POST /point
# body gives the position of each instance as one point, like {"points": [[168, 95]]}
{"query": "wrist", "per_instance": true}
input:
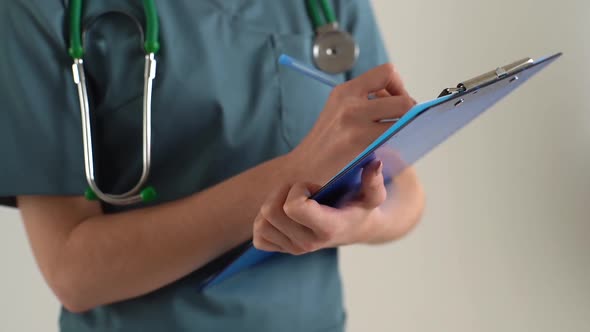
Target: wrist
{"points": [[299, 168], [371, 227], [365, 231], [315, 169], [290, 169]]}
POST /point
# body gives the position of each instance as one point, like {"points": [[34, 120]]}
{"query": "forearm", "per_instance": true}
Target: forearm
{"points": [[120, 256]]}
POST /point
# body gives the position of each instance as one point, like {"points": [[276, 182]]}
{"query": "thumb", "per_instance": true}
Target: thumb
{"points": [[372, 192]]}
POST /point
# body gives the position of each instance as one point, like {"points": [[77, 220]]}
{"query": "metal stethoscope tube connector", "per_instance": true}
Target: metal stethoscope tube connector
{"points": [[135, 194]]}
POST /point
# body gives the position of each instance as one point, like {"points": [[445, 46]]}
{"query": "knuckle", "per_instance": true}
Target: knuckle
{"points": [[297, 252], [257, 225], [311, 246], [339, 90], [353, 107], [256, 241], [266, 210], [407, 103], [388, 67], [263, 229], [325, 234], [291, 210]]}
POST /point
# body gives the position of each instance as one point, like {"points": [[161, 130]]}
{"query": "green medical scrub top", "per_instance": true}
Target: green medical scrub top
{"points": [[221, 105]]}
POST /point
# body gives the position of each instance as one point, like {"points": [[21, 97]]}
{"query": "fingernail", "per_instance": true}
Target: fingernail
{"points": [[414, 100], [379, 168]]}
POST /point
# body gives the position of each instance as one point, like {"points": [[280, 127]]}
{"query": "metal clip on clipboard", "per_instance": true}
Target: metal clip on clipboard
{"points": [[489, 77]]}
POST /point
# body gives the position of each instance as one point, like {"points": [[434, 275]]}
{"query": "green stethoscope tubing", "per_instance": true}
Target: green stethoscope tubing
{"points": [[320, 12], [151, 44]]}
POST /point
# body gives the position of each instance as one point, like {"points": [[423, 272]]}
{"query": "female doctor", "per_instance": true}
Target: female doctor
{"points": [[238, 144]]}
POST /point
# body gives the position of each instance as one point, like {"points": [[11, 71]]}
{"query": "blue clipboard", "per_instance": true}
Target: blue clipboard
{"points": [[419, 131]]}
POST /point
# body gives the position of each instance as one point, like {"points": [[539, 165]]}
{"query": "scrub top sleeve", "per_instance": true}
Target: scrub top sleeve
{"points": [[40, 133], [358, 18]]}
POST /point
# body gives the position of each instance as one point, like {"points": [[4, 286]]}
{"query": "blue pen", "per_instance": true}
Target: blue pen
{"points": [[317, 75]]}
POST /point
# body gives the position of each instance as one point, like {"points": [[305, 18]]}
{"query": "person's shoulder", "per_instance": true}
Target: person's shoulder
{"points": [[355, 10], [348, 3]]}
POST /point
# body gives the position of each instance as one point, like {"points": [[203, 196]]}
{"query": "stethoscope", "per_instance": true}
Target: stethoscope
{"points": [[334, 51]]}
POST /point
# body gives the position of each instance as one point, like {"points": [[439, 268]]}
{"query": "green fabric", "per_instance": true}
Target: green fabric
{"points": [[221, 104]]}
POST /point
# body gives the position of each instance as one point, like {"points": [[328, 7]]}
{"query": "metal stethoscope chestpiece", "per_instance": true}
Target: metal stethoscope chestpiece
{"points": [[334, 51]]}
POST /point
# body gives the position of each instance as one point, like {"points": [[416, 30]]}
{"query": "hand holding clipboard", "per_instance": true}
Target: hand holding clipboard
{"points": [[419, 131]]}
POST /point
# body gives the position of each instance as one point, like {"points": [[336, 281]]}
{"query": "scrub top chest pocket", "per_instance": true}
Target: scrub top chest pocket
{"points": [[301, 98], [289, 29], [223, 98]]}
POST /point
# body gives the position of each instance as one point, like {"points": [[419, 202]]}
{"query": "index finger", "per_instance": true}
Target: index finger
{"points": [[383, 77], [301, 208]]}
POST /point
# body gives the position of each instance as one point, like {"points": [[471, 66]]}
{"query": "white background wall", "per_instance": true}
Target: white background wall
{"points": [[504, 245]]}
